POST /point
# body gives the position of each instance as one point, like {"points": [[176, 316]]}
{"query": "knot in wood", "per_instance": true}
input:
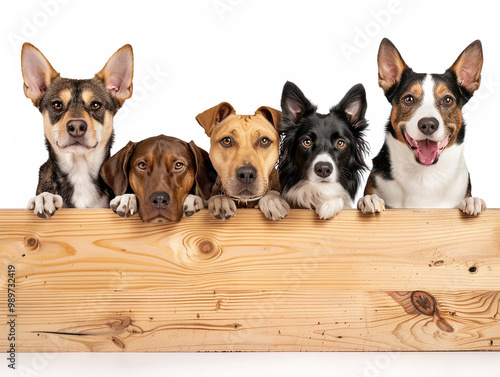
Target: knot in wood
{"points": [[206, 247], [31, 243], [120, 324], [202, 249], [117, 342], [424, 302]]}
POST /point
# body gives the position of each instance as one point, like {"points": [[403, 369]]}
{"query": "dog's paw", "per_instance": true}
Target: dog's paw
{"points": [[124, 205], [472, 206], [192, 204], [371, 204], [330, 208], [221, 207], [274, 206], [45, 204]]}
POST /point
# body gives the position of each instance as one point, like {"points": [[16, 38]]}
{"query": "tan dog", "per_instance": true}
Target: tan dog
{"points": [[244, 150]]}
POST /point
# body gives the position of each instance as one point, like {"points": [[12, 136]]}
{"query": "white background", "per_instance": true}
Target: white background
{"points": [[191, 55]]}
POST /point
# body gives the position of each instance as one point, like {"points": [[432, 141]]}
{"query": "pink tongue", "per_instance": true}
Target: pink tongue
{"points": [[427, 151]]}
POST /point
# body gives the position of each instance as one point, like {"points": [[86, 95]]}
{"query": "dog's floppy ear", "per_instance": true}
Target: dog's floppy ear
{"points": [[209, 118], [353, 106], [117, 74], [114, 171], [390, 65], [272, 115], [294, 105], [38, 74], [468, 67], [205, 173]]}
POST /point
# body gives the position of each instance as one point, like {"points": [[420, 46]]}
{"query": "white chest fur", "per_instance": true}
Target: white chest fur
{"points": [[442, 185], [82, 171]]}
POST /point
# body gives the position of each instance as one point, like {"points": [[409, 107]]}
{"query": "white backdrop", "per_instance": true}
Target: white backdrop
{"points": [[191, 55]]}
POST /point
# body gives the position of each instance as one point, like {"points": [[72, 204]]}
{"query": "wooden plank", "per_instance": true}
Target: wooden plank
{"points": [[87, 280]]}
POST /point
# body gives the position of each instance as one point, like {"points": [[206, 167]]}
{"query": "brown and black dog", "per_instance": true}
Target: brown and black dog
{"points": [[168, 177], [244, 150], [78, 124]]}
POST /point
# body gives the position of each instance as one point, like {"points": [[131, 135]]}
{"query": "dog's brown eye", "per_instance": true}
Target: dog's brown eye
{"points": [[142, 165], [340, 143], [307, 143], [94, 105], [448, 101], [409, 100], [265, 142], [226, 142], [57, 105], [179, 165]]}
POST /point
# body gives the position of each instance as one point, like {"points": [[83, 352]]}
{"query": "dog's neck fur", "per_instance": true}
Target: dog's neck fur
{"points": [[77, 177], [442, 185], [310, 195]]}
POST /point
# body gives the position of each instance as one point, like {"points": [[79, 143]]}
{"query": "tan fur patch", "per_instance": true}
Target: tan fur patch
{"points": [[48, 129], [369, 188], [107, 127], [441, 90], [452, 115], [87, 96], [65, 96]]}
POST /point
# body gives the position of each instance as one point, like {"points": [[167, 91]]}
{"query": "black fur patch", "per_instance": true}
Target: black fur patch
{"points": [[382, 164]]}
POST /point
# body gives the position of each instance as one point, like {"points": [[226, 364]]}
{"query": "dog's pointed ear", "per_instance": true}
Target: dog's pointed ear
{"points": [[272, 115], [114, 171], [211, 117], [468, 67], [117, 74], [390, 65], [37, 72], [353, 105], [204, 172], [294, 105]]}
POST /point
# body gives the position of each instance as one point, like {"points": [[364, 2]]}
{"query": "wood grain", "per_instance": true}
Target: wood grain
{"points": [[87, 280]]}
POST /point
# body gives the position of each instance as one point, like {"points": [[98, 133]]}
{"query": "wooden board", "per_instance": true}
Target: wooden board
{"points": [[87, 280]]}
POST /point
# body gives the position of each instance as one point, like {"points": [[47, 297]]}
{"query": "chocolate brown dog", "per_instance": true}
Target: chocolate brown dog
{"points": [[163, 173], [244, 150]]}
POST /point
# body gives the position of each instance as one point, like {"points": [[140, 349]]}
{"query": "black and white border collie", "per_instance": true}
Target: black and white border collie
{"points": [[421, 164], [322, 155]]}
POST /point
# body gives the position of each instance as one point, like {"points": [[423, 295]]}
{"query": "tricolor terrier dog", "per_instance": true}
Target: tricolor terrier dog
{"points": [[322, 155], [421, 163], [244, 150], [78, 125]]}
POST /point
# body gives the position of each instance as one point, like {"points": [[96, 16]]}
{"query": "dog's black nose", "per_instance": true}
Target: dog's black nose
{"points": [[246, 174], [428, 125], [76, 127], [323, 169], [159, 200]]}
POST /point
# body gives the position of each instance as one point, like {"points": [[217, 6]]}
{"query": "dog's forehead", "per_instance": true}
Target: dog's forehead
{"points": [[447, 82], [412, 82], [252, 124], [324, 125], [65, 89], [409, 83], [162, 147]]}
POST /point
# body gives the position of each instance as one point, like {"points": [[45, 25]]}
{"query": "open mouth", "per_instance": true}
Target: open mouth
{"points": [[426, 151]]}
